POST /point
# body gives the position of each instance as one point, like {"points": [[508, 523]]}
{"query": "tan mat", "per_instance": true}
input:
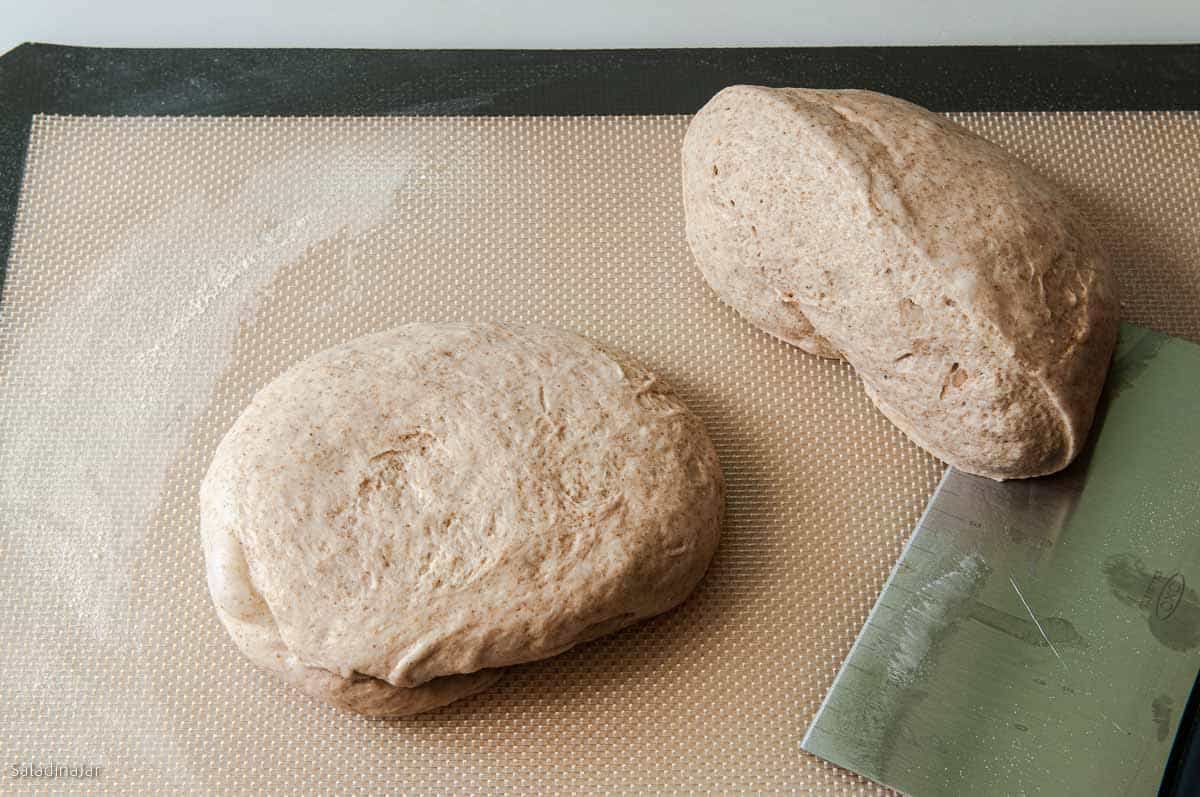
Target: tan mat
{"points": [[163, 269]]}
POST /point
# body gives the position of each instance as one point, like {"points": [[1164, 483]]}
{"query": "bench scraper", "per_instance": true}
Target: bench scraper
{"points": [[1042, 636]]}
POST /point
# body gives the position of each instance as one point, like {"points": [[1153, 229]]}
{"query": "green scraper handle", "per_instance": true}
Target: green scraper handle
{"points": [[1181, 778]]}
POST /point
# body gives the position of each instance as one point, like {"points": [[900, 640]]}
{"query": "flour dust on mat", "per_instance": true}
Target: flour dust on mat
{"points": [[113, 370]]}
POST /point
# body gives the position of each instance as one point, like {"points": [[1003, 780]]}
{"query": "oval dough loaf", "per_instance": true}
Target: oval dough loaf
{"points": [[972, 299], [394, 518]]}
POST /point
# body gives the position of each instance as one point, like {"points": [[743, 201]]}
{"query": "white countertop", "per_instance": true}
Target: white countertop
{"points": [[622, 23]]}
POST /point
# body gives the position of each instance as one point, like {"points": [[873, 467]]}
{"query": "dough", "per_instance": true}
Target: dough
{"points": [[394, 518], [972, 299]]}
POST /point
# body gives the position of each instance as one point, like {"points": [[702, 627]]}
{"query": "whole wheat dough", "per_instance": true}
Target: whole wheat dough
{"points": [[394, 518], [973, 300]]}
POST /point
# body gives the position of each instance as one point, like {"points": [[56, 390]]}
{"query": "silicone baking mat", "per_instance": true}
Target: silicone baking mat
{"points": [[164, 268]]}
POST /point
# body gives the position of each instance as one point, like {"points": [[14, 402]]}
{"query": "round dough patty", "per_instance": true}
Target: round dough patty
{"points": [[394, 518]]}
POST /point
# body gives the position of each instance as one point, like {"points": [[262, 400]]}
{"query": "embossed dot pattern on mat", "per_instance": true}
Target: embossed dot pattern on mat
{"points": [[163, 269]]}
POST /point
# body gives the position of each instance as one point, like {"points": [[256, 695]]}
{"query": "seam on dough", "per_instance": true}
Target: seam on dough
{"points": [[909, 240], [273, 624], [1050, 397]]}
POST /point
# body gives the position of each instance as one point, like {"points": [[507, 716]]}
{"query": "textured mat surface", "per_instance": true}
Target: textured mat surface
{"points": [[163, 269]]}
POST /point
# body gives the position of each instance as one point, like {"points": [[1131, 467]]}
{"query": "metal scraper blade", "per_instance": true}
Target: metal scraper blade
{"points": [[1042, 635]]}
